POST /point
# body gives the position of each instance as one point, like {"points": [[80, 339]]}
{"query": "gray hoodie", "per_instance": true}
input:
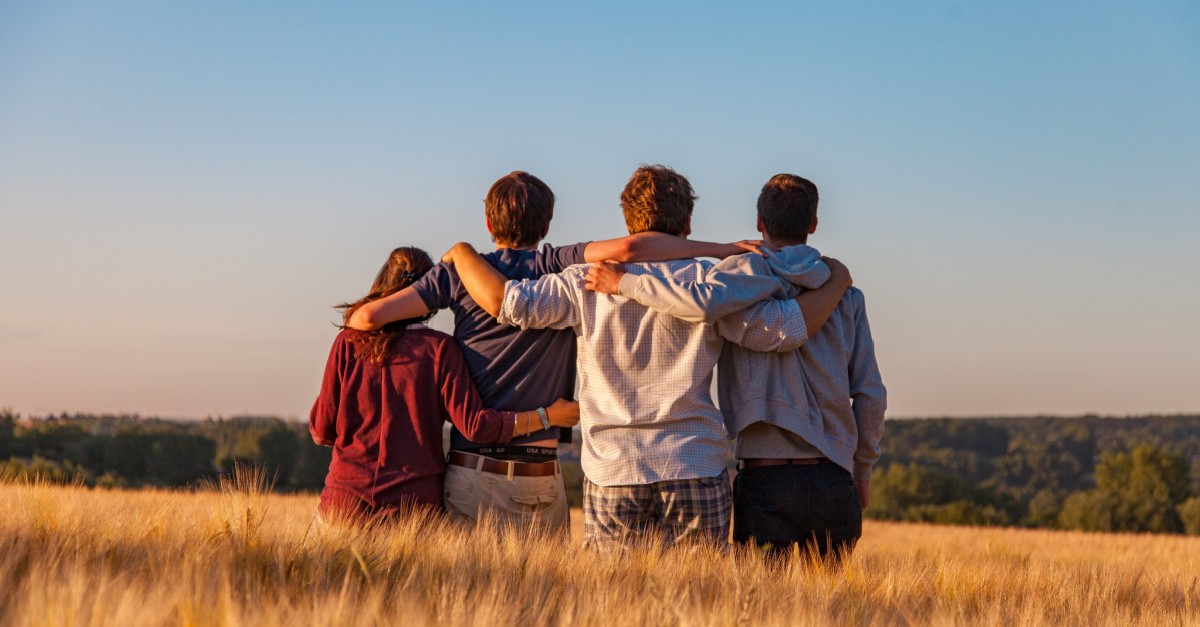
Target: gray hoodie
{"points": [[828, 392]]}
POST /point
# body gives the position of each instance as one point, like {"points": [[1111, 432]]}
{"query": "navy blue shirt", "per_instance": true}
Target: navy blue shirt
{"points": [[513, 369]]}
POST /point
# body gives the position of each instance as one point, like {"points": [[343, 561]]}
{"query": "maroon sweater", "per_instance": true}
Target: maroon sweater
{"points": [[384, 421]]}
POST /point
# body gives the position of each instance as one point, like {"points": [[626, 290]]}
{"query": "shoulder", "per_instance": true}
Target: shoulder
{"points": [[854, 299], [345, 336], [433, 337], [552, 258], [569, 250], [745, 263], [423, 341]]}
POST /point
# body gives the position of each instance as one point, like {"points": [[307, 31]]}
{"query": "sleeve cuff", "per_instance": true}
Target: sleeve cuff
{"points": [[794, 331], [514, 305], [509, 428], [628, 285], [862, 472]]}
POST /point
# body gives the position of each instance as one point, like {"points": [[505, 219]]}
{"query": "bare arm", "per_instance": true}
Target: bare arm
{"points": [[484, 283], [402, 305], [817, 305], [654, 246]]}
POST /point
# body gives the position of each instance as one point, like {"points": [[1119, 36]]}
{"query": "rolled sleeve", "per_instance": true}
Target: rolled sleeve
{"points": [[770, 326], [729, 286], [547, 303]]}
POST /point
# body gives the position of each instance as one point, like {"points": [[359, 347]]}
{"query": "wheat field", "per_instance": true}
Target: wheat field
{"points": [[238, 555]]}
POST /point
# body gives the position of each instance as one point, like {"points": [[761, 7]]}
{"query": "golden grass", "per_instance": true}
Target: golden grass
{"points": [[240, 556]]}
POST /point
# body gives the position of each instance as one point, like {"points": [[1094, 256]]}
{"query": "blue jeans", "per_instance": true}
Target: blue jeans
{"points": [[814, 505]]}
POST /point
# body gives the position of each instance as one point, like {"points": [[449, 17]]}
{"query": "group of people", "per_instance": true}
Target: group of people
{"points": [[641, 321]]}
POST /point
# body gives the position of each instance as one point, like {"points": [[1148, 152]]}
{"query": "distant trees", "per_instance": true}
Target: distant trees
{"points": [[129, 451], [1130, 474], [1135, 491], [1101, 474]]}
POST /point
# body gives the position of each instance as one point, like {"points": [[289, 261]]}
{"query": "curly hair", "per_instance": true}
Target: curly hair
{"points": [[657, 198]]}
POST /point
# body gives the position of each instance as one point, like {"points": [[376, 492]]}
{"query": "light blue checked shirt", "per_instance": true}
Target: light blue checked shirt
{"points": [[645, 409]]}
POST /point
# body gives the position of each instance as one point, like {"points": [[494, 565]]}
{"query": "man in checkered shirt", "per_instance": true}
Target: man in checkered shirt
{"points": [[654, 443]]}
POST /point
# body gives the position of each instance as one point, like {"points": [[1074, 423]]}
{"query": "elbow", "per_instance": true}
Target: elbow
{"points": [[492, 306], [364, 319]]}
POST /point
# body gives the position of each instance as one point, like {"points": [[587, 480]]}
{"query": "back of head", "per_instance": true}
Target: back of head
{"points": [[403, 267], [657, 198], [787, 207], [519, 207]]}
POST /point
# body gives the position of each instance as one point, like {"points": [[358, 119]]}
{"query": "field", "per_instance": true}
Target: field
{"points": [[237, 555]]}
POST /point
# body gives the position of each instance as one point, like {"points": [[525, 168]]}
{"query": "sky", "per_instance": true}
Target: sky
{"points": [[187, 188]]}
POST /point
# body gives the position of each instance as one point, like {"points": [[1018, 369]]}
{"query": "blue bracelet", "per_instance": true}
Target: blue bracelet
{"points": [[541, 411]]}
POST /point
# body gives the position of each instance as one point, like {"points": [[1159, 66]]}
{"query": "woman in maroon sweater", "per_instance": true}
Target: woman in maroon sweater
{"points": [[384, 399]]}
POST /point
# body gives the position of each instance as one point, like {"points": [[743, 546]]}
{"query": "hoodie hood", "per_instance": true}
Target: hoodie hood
{"points": [[799, 265]]}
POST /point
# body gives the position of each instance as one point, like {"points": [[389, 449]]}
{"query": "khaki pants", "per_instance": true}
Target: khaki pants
{"points": [[520, 501]]}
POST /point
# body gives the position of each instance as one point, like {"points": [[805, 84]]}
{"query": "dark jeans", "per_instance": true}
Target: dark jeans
{"points": [[813, 505]]}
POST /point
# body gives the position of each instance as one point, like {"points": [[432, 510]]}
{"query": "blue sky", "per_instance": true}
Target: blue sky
{"points": [[186, 189]]}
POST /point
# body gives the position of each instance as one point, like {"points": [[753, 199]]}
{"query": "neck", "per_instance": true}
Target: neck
{"points": [[780, 243], [500, 246]]}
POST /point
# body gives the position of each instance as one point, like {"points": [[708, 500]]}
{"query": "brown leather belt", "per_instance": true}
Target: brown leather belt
{"points": [[802, 461], [516, 469]]}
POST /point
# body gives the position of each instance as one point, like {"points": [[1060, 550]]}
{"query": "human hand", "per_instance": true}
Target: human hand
{"points": [[838, 271], [563, 413], [604, 276], [455, 250], [864, 492]]}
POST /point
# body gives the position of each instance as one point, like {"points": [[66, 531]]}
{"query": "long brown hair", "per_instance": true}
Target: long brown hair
{"points": [[403, 267]]}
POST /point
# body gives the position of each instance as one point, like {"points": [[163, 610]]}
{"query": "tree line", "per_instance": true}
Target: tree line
{"points": [[131, 451], [1090, 472]]}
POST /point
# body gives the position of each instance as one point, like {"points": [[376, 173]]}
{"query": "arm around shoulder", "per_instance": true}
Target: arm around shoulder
{"points": [[402, 305]]}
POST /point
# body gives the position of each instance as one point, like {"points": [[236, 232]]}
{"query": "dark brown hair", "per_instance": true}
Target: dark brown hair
{"points": [[519, 207], [403, 267], [657, 198], [787, 207]]}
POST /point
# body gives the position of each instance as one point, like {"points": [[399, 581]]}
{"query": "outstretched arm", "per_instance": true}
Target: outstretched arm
{"points": [[402, 305], [461, 406], [484, 283], [654, 246], [698, 301], [784, 325]]}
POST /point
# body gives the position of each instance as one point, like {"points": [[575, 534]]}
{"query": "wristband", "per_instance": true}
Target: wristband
{"points": [[541, 411]]}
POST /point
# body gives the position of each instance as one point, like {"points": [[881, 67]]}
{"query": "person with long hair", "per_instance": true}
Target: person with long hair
{"points": [[384, 398]]}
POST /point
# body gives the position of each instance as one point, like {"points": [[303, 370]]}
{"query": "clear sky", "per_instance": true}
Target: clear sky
{"points": [[186, 188]]}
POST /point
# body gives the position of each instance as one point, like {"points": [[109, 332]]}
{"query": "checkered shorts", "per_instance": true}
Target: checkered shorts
{"points": [[682, 510]]}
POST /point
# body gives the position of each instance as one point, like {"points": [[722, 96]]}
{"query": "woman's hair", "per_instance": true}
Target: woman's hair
{"points": [[403, 267]]}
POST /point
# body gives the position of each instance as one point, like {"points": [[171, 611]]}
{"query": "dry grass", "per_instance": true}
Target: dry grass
{"points": [[73, 556]]}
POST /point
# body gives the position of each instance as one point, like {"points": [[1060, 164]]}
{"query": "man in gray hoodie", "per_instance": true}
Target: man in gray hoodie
{"points": [[807, 422]]}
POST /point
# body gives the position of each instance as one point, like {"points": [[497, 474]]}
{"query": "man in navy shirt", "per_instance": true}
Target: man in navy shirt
{"points": [[514, 369]]}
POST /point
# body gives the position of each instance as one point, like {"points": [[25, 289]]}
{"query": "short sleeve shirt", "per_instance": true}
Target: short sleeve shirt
{"points": [[514, 369]]}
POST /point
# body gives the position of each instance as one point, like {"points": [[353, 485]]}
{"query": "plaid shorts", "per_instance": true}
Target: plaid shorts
{"points": [[682, 510]]}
